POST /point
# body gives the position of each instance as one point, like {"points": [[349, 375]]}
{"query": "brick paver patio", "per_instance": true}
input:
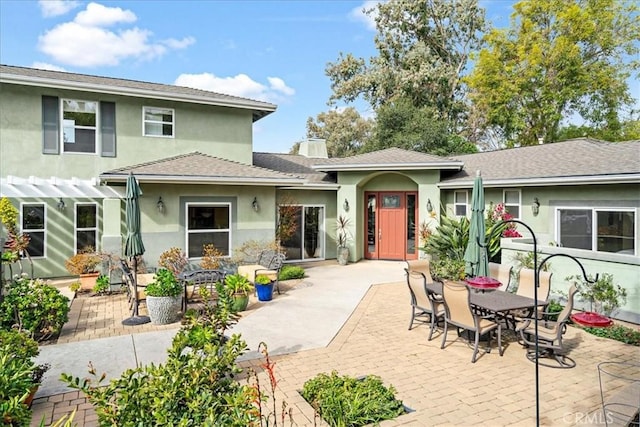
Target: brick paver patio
{"points": [[442, 387]]}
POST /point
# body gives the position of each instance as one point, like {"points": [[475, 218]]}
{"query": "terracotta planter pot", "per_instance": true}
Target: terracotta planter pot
{"points": [[32, 393], [88, 281]]}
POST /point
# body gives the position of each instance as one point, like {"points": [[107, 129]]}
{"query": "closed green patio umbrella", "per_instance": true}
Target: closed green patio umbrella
{"points": [[133, 245], [475, 255]]}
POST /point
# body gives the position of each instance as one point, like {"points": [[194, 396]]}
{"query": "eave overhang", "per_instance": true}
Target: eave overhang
{"points": [[544, 182]]}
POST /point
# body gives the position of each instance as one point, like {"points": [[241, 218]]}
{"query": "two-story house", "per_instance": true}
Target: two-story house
{"points": [[68, 142]]}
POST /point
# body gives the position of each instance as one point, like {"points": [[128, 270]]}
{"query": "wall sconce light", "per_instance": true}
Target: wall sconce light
{"points": [[61, 204], [429, 206], [160, 205], [254, 205], [345, 205], [535, 206]]}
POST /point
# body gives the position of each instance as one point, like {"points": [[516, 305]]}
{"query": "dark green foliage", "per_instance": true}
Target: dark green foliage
{"points": [[620, 333], [164, 284], [195, 387], [15, 384], [553, 309], [447, 268], [34, 306], [291, 272], [346, 401]]}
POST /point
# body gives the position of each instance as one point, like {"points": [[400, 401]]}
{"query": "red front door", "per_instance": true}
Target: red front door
{"points": [[390, 225]]}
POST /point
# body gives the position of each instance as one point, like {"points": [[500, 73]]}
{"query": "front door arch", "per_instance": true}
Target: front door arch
{"points": [[391, 225]]}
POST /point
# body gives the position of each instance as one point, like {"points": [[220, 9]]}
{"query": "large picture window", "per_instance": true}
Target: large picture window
{"points": [[602, 230], [460, 200], [33, 224], [208, 224], [86, 226], [79, 124], [157, 122]]}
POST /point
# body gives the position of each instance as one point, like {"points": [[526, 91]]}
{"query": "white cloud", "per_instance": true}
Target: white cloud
{"points": [[179, 44], [97, 15], [357, 13], [240, 85], [85, 42], [278, 85], [46, 66], [51, 8]]}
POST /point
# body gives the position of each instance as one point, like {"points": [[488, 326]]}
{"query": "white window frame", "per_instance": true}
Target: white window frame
{"points": [[43, 230], [220, 230], [96, 129], [456, 204], [76, 228], [145, 121], [507, 205], [594, 220]]}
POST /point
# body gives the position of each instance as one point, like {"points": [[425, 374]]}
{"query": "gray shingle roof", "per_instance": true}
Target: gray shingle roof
{"points": [[48, 78], [581, 158], [201, 168], [390, 158], [293, 164]]}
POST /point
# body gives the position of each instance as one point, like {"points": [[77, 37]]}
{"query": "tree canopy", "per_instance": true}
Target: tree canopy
{"points": [[345, 132], [557, 59]]}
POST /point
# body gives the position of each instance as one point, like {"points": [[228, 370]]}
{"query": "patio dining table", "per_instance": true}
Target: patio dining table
{"points": [[498, 302]]}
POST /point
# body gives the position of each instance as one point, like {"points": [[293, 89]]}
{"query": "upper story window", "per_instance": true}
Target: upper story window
{"points": [[79, 124], [86, 226], [512, 202], [460, 201], [33, 224], [158, 122], [602, 230]]}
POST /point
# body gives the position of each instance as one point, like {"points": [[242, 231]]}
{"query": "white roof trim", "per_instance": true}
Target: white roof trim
{"points": [[389, 166], [177, 179], [19, 187], [551, 181]]}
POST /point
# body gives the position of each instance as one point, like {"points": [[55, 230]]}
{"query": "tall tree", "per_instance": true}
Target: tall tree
{"points": [[558, 58], [423, 49], [401, 124], [345, 131]]}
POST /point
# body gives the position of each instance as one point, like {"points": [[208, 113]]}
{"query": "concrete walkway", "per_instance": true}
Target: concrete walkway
{"points": [[306, 317]]}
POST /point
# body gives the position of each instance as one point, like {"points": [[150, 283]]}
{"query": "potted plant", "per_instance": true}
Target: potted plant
{"points": [[343, 235], [238, 287], [84, 264], [264, 287], [164, 297]]}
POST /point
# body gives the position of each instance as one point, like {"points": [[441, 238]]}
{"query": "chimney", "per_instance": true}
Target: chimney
{"points": [[313, 148]]}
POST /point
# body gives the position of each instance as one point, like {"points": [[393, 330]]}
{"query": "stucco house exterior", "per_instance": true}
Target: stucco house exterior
{"points": [[69, 141]]}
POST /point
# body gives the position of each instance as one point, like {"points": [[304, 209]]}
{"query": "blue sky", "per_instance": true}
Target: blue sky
{"points": [[274, 51]]}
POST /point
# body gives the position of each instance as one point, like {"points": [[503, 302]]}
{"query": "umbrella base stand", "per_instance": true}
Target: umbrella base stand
{"points": [[136, 320]]}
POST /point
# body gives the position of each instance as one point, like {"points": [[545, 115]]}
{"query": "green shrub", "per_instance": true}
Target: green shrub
{"points": [[164, 284], [617, 332], [347, 401], [447, 268], [102, 284], [34, 306], [604, 295], [553, 310], [291, 272], [196, 386], [15, 384]]}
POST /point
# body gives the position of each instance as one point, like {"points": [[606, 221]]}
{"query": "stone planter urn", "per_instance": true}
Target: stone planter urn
{"points": [[164, 310]]}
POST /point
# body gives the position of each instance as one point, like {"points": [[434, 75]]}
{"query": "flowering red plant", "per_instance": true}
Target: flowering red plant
{"points": [[499, 213]]}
